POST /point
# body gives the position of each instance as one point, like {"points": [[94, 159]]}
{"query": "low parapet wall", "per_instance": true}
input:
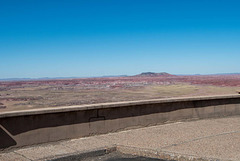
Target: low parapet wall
{"points": [[21, 128]]}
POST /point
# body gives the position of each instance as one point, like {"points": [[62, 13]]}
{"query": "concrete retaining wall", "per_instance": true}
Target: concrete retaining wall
{"points": [[45, 125]]}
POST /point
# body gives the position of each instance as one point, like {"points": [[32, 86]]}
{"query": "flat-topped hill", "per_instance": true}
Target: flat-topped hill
{"points": [[152, 74]]}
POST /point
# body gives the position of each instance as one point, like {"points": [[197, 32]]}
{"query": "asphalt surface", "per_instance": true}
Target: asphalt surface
{"points": [[114, 156]]}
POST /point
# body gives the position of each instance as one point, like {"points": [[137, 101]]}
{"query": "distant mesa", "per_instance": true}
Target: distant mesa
{"points": [[152, 74]]}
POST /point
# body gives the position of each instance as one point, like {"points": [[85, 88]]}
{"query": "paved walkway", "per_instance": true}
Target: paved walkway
{"points": [[209, 139]]}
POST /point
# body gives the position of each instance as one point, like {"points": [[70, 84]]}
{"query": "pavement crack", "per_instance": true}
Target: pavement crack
{"points": [[200, 138], [22, 155]]}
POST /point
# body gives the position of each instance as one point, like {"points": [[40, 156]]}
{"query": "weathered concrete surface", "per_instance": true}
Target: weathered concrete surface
{"points": [[209, 139], [41, 126]]}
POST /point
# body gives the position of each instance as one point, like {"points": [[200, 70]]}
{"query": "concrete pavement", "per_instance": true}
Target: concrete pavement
{"points": [[209, 139]]}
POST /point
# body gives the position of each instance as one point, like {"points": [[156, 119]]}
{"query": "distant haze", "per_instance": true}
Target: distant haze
{"points": [[143, 74]]}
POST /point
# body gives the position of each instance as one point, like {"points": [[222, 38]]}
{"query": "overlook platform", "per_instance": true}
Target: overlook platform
{"points": [[209, 139], [196, 128]]}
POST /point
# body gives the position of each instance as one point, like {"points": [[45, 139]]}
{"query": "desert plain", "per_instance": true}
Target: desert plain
{"points": [[33, 94]]}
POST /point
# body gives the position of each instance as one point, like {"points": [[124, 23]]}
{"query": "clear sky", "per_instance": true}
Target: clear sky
{"points": [[65, 38]]}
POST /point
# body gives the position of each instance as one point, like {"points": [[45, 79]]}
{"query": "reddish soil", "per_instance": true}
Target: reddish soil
{"points": [[121, 82]]}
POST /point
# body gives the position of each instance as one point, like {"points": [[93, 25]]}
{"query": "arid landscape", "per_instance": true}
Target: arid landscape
{"points": [[32, 94]]}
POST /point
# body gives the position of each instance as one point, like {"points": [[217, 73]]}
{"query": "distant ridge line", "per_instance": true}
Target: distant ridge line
{"points": [[143, 74]]}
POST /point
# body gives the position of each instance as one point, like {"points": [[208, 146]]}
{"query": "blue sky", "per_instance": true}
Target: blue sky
{"points": [[65, 38]]}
